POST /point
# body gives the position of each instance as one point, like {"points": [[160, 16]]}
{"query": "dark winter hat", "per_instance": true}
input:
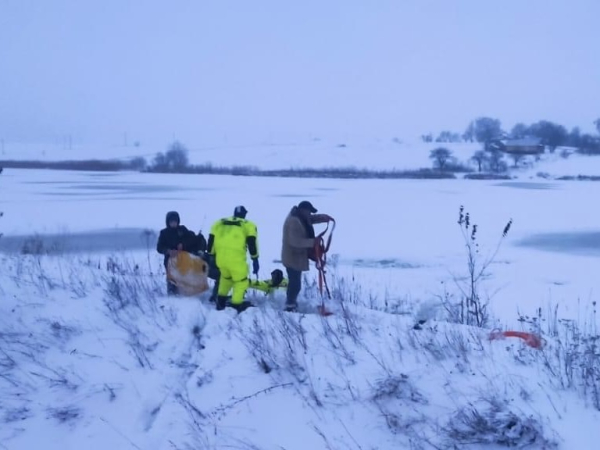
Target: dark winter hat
{"points": [[172, 215], [276, 277], [305, 204], [240, 211]]}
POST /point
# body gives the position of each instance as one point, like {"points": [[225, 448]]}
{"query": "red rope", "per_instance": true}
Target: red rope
{"points": [[321, 248]]}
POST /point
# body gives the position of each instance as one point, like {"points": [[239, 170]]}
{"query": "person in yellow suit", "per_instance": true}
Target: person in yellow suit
{"points": [[229, 240], [269, 286]]}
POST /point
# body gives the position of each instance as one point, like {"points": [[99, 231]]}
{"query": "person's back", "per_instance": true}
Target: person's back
{"points": [[230, 238], [297, 249]]}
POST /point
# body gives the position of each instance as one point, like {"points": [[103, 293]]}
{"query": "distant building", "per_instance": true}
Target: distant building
{"points": [[524, 146]]}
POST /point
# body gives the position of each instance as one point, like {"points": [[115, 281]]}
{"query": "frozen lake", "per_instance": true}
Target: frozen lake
{"points": [[397, 237]]}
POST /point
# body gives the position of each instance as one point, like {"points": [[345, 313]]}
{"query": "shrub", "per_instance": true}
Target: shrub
{"points": [[493, 423], [471, 309]]}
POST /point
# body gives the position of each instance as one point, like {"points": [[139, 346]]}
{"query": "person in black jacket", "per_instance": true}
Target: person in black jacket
{"points": [[213, 270], [213, 273], [176, 237]]}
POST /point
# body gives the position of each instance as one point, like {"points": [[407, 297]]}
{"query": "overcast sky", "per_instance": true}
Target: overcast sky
{"points": [[275, 70]]}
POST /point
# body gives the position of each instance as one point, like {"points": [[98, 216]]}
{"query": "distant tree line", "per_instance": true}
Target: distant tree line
{"points": [[552, 135], [489, 161], [488, 131]]}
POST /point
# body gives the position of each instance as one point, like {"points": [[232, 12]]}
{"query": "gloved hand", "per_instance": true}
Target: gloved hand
{"points": [[321, 218], [173, 252], [179, 246], [255, 266]]}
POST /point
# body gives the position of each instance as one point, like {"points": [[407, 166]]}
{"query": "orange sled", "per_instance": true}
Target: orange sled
{"points": [[531, 339], [189, 273]]}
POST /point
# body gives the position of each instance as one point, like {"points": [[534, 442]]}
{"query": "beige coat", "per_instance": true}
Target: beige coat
{"points": [[296, 244]]}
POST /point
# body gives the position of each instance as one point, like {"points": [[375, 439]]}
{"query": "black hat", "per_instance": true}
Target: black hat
{"points": [[276, 277], [305, 204], [240, 211], [172, 215]]}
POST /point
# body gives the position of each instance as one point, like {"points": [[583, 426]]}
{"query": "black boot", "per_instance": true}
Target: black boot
{"points": [[291, 307], [214, 294], [172, 288], [242, 306], [221, 302]]}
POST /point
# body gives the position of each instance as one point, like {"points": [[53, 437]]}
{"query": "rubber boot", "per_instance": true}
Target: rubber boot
{"points": [[214, 293], [242, 306], [221, 302], [291, 307]]}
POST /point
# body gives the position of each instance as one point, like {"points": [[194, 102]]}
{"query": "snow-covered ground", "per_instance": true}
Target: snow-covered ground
{"points": [[358, 153], [95, 354]]}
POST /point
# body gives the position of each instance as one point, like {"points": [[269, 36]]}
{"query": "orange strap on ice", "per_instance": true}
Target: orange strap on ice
{"points": [[531, 339]]}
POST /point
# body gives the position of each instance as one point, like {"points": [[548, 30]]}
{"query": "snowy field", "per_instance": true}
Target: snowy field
{"points": [[350, 152], [94, 354], [391, 154]]}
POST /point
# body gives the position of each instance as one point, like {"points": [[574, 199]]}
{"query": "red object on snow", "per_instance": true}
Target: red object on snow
{"points": [[531, 339], [321, 249]]}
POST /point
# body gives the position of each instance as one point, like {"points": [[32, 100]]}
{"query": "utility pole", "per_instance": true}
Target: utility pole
{"points": [[2, 145]]}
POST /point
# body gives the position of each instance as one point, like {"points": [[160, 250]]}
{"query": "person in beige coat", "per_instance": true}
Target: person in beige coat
{"points": [[297, 248]]}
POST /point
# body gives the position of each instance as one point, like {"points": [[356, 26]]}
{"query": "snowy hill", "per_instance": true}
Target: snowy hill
{"points": [[95, 356]]}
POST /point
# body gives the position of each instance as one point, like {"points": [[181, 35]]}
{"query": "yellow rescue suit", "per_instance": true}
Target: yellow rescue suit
{"points": [[266, 286], [233, 237]]}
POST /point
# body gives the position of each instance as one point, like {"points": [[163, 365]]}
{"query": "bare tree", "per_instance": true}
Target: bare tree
{"points": [[174, 160], [485, 129], [519, 131], [448, 136], [516, 157], [496, 161], [574, 138], [479, 157], [138, 163], [469, 134], [440, 157], [550, 133]]}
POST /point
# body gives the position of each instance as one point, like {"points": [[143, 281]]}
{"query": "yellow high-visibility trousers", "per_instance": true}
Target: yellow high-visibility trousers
{"points": [[234, 276]]}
